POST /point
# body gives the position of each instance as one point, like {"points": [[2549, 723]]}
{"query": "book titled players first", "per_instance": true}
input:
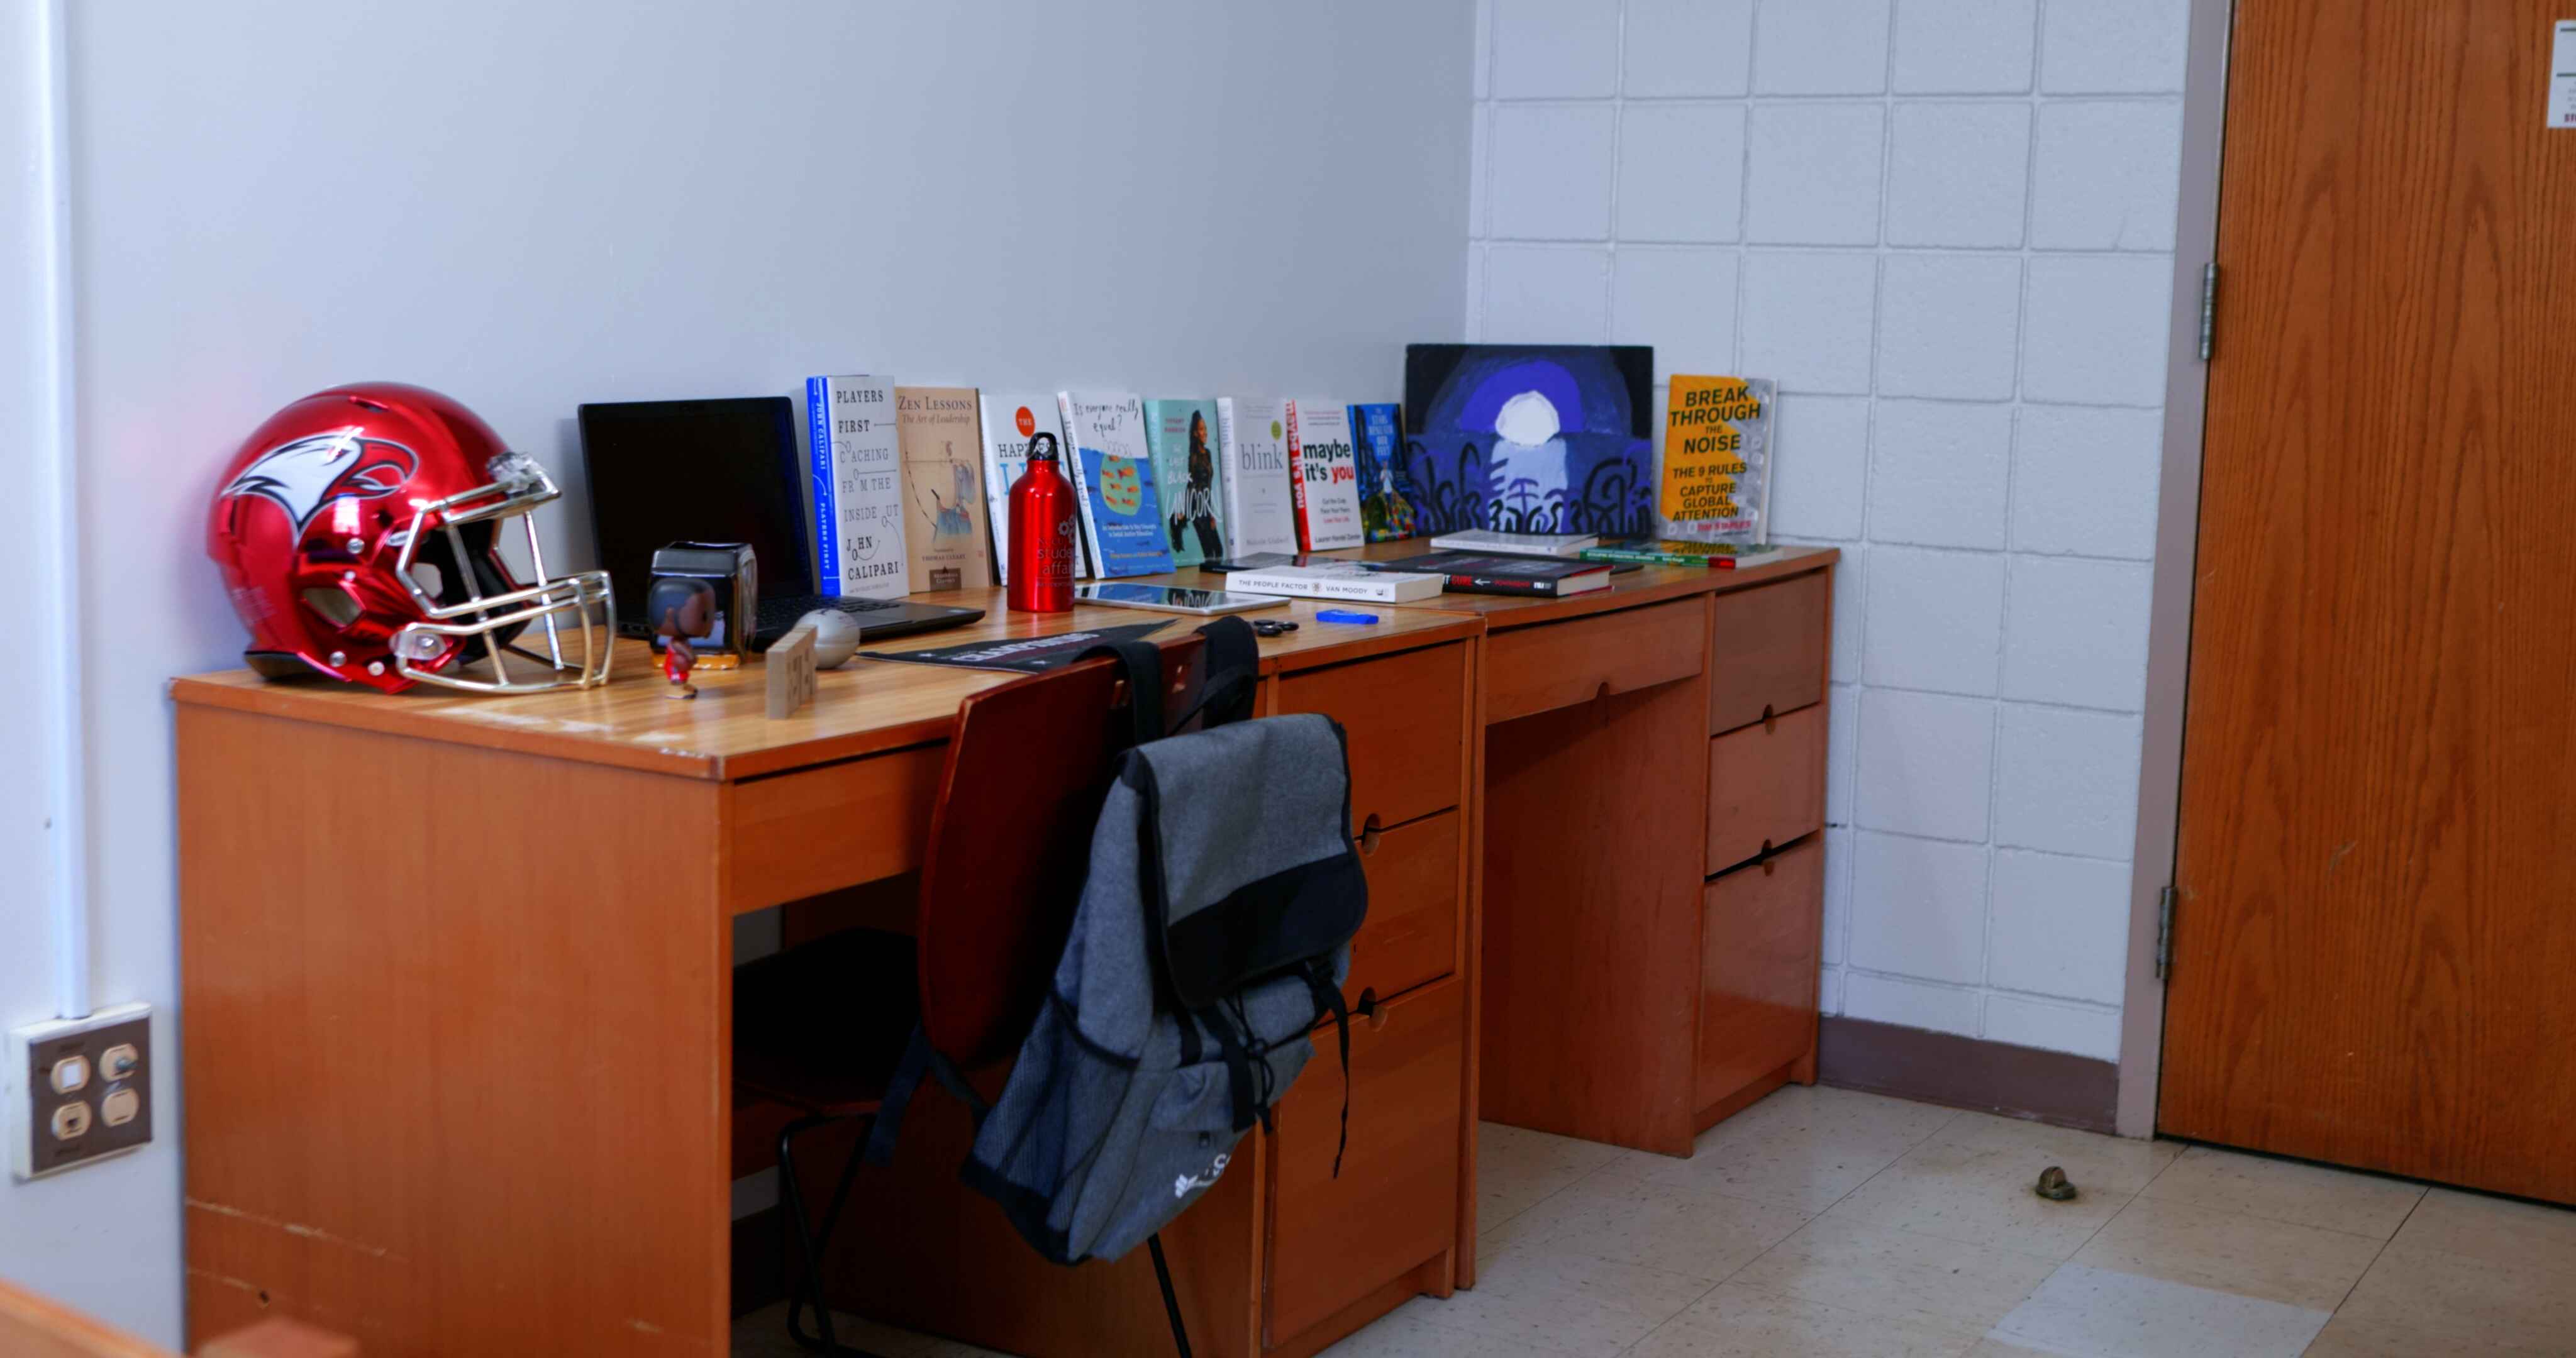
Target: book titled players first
{"points": [[858, 487]]}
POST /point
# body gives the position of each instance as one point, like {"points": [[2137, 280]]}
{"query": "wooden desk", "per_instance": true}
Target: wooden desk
{"points": [[456, 975], [1652, 878]]}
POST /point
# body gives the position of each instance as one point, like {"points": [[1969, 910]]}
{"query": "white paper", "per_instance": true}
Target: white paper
{"points": [[2562, 75]]}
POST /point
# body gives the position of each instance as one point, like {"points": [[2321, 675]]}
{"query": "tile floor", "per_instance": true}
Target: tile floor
{"points": [[1825, 1222]]}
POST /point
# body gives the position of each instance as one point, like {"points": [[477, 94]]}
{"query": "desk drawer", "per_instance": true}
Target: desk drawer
{"points": [[1770, 653], [1334, 1241], [1411, 934], [1758, 944], [1560, 664], [1766, 785], [794, 835], [1406, 718]]}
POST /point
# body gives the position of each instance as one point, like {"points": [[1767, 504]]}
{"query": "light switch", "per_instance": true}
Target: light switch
{"points": [[119, 1108], [71, 1074], [71, 1121]]}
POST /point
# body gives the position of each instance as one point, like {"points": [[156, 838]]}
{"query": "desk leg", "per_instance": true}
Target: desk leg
{"points": [[455, 1064]]}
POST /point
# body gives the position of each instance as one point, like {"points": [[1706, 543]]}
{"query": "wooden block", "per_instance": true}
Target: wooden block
{"points": [[791, 673]]}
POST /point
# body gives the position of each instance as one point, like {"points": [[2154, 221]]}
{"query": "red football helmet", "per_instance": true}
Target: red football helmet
{"points": [[356, 530]]}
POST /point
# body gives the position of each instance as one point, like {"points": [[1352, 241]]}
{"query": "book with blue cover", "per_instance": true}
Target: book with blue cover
{"points": [[858, 495], [1115, 483], [1182, 435], [1386, 491]]}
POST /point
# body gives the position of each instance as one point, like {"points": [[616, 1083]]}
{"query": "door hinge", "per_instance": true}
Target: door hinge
{"points": [[2208, 308], [2164, 934]]}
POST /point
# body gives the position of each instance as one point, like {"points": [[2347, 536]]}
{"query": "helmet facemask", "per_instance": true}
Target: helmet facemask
{"points": [[474, 612]]}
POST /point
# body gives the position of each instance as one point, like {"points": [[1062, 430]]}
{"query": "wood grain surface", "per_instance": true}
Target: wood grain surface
{"points": [[1559, 664], [1595, 831], [457, 1065], [1650, 584], [862, 708], [2373, 943], [1334, 1239]]}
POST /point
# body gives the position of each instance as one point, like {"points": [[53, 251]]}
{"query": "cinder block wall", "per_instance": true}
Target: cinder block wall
{"points": [[1945, 226]]}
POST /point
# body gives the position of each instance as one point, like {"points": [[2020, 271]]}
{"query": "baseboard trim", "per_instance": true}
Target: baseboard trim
{"points": [[1968, 1072]]}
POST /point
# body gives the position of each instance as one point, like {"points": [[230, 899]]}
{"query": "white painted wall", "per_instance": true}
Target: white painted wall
{"points": [[530, 206], [1945, 226]]}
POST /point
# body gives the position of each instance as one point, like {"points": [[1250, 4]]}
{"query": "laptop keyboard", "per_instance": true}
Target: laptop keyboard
{"points": [[777, 615]]}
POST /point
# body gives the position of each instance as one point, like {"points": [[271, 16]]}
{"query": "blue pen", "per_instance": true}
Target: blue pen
{"points": [[1343, 615]]}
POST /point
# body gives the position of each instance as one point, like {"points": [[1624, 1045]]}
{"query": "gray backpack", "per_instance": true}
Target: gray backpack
{"points": [[1212, 934]]}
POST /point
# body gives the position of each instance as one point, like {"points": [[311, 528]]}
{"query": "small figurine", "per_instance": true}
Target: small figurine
{"points": [[679, 609]]}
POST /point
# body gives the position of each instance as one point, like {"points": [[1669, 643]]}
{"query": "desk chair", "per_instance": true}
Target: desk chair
{"points": [[821, 1027]]}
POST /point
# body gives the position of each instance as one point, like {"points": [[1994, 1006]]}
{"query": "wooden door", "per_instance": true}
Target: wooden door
{"points": [[2375, 940]]}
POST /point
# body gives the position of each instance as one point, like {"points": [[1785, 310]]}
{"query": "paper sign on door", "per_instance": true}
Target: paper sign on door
{"points": [[2562, 75]]}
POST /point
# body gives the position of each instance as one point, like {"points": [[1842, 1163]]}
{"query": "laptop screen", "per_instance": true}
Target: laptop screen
{"points": [[696, 471]]}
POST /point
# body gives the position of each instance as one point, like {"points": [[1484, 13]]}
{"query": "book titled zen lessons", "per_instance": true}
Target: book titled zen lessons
{"points": [[1325, 490], [943, 488], [858, 492]]}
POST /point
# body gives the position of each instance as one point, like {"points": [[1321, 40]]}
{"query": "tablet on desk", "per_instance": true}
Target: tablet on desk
{"points": [[1173, 598]]}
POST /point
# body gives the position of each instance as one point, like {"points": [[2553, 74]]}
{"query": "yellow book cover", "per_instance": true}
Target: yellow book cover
{"points": [[1715, 483], [943, 488]]}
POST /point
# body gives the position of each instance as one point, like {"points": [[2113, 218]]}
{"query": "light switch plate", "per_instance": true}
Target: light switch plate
{"points": [[34, 1109]]}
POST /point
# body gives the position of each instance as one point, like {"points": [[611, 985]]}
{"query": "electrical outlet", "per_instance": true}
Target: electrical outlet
{"points": [[77, 1090]]}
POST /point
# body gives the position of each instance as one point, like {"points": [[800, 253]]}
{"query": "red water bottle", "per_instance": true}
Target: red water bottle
{"points": [[1041, 534]]}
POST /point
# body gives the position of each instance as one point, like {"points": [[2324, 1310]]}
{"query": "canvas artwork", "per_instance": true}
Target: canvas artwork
{"points": [[1530, 438]]}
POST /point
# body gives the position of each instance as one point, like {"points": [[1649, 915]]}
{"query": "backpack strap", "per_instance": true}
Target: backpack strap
{"points": [[919, 1059], [1232, 673], [1328, 998], [1141, 662], [1248, 1109]]}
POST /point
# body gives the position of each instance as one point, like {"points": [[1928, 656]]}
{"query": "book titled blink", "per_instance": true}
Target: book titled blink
{"points": [[1114, 483], [1183, 437], [1326, 494], [1012, 421], [858, 487], [1252, 465]]}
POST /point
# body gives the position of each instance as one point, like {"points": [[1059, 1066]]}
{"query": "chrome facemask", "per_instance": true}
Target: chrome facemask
{"points": [[583, 602]]}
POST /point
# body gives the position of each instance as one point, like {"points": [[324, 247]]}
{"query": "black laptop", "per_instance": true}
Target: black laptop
{"points": [[719, 471]]}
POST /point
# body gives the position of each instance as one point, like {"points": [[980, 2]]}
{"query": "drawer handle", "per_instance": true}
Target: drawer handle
{"points": [[1603, 694], [1370, 833], [1769, 865], [1367, 1007], [1770, 720]]}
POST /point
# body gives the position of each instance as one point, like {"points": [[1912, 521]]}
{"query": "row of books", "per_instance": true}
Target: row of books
{"points": [[912, 484]]}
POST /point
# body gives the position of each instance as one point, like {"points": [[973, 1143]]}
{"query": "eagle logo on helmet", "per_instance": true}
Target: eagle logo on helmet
{"points": [[302, 476]]}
